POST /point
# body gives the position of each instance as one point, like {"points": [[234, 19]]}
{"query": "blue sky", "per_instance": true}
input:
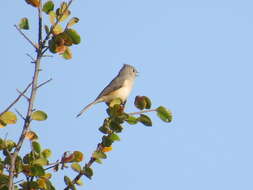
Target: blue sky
{"points": [[194, 57]]}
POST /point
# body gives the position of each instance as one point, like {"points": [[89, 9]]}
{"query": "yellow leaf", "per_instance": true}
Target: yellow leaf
{"points": [[31, 135], [8, 118], [52, 17], [34, 3], [39, 115], [107, 149], [57, 29]]}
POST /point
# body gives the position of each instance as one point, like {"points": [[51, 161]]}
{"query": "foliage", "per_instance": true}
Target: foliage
{"points": [[34, 168]]}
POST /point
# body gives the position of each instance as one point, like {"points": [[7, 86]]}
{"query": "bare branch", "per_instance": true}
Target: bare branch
{"points": [[16, 100], [28, 39], [140, 112], [23, 95], [44, 83], [33, 60], [20, 114]]}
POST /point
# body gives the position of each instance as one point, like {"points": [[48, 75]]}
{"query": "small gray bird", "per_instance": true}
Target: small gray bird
{"points": [[119, 87]]}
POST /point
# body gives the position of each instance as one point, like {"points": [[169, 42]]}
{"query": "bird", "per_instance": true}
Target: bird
{"points": [[120, 87]]}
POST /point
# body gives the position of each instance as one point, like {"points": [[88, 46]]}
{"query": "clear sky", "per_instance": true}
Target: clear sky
{"points": [[194, 57]]}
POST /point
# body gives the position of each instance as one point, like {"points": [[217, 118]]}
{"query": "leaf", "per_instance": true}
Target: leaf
{"points": [[47, 30], [145, 120], [114, 137], [46, 153], [39, 115], [79, 182], [78, 156], [34, 3], [36, 146], [67, 181], [148, 102], [104, 129], [48, 6], [98, 161], [164, 114], [72, 21], [42, 183], [52, 16], [99, 155], [24, 24], [116, 101], [107, 149], [63, 12], [37, 170], [132, 120], [8, 118], [41, 161], [75, 37], [88, 172], [116, 127], [57, 29], [106, 141], [31, 135], [67, 54], [76, 167], [140, 102]]}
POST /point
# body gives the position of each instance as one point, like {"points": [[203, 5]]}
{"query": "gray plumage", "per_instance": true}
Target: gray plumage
{"points": [[119, 87]]}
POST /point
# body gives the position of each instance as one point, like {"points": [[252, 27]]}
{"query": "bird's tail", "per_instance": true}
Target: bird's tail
{"points": [[88, 107]]}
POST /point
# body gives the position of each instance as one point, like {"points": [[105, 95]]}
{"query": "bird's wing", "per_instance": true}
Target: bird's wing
{"points": [[115, 84]]}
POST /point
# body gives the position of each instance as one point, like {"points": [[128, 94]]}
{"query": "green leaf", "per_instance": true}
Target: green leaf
{"points": [[106, 141], [67, 181], [39, 115], [75, 37], [72, 21], [36, 146], [78, 156], [98, 161], [145, 120], [41, 161], [24, 24], [47, 30], [37, 170], [8, 118], [88, 172], [46, 153], [164, 114], [148, 102], [132, 120], [48, 6], [116, 127], [76, 167], [116, 101], [140, 102], [104, 130], [99, 155], [114, 137], [67, 53]]}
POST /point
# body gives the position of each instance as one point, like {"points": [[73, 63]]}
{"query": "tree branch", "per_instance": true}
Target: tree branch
{"points": [[140, 112], [27, 121], [28, 39], [44, 83], [17, 99]]}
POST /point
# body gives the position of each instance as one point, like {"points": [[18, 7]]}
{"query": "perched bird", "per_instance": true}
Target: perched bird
{"points": [[120, 87]]}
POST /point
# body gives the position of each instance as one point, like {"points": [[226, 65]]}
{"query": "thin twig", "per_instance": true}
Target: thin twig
{"points": [[28, 39], [33, 60], [17, 99], [40, 85], [140, 112], [23, 95], [20, 114]]}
